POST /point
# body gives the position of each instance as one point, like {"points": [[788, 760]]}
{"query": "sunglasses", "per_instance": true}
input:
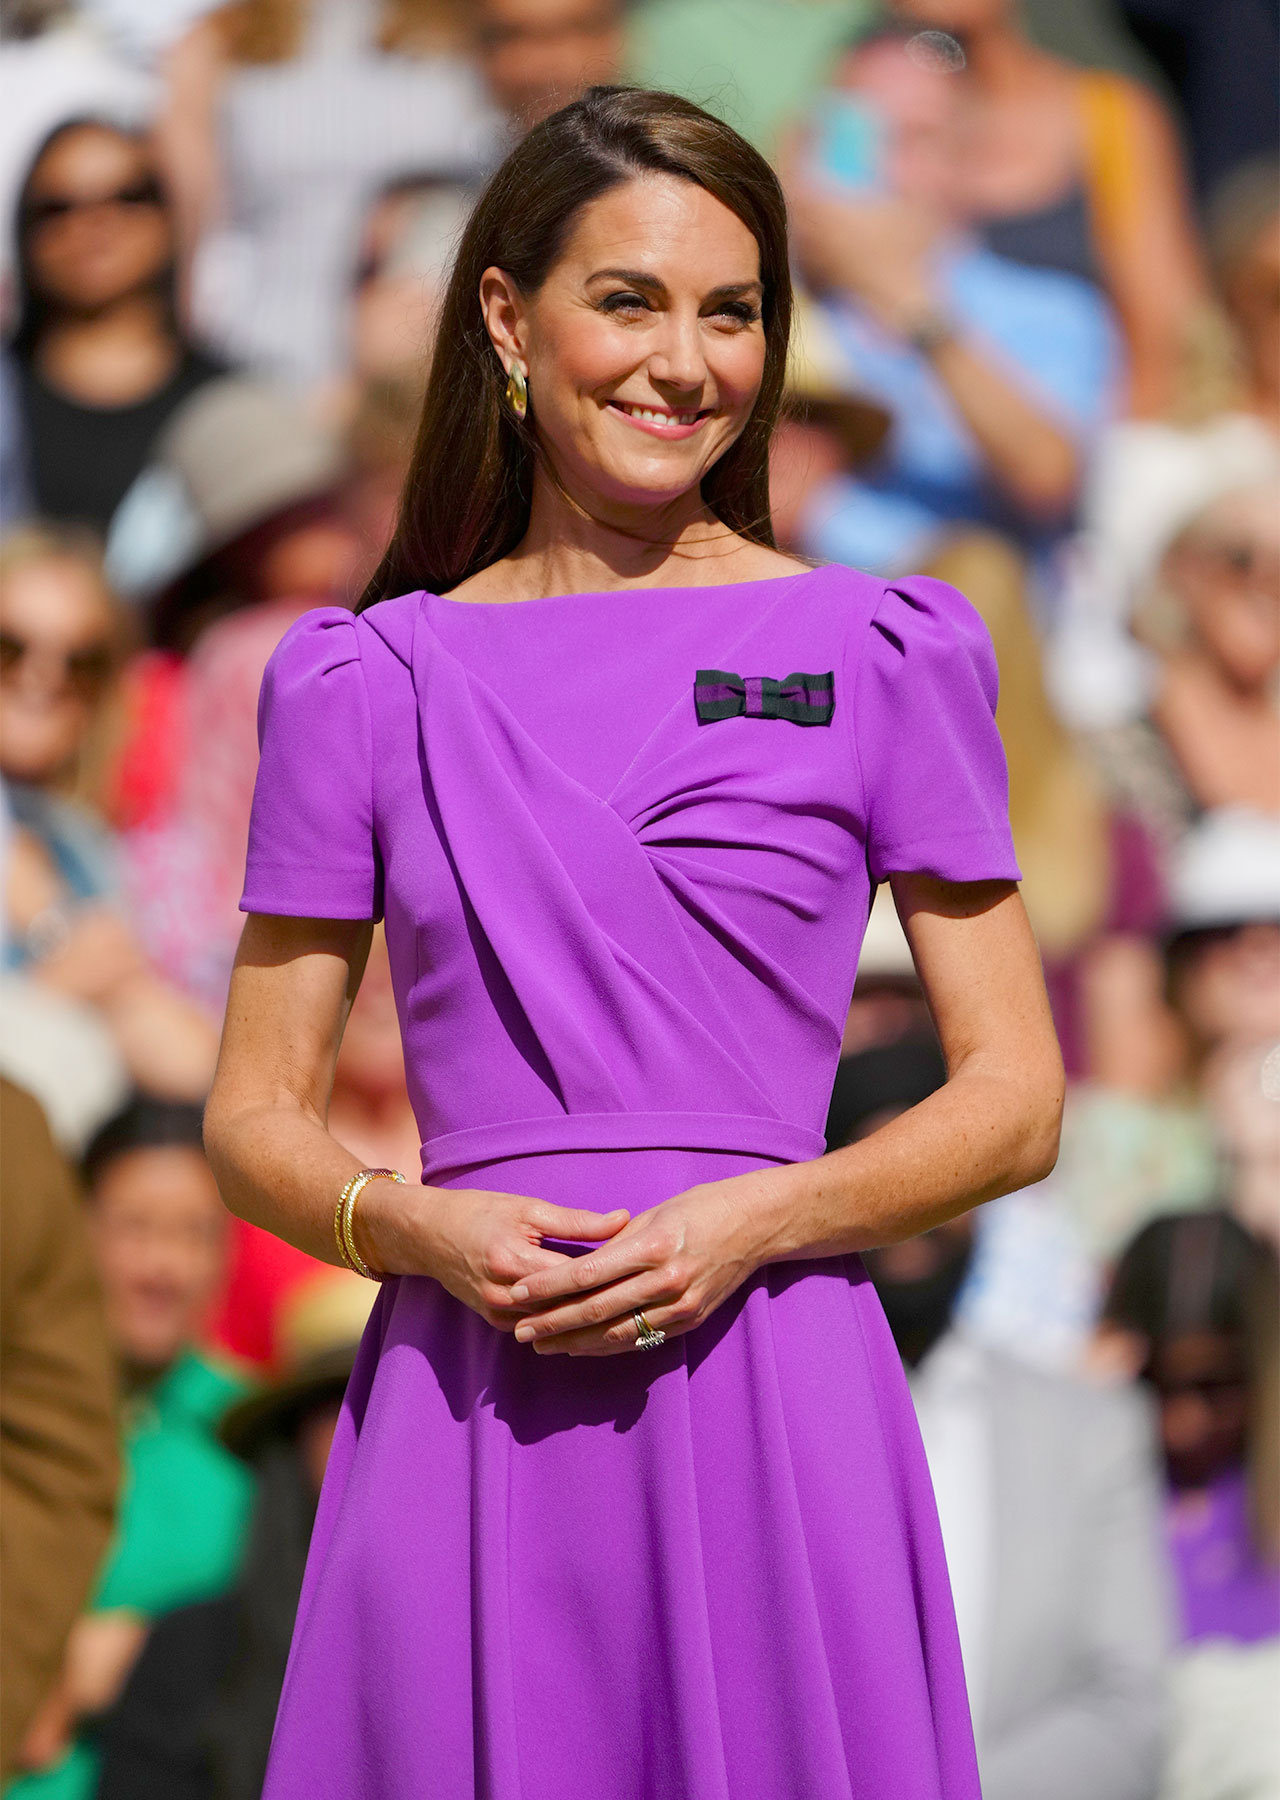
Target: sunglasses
{"points": [[53, 207], [86, 672]]}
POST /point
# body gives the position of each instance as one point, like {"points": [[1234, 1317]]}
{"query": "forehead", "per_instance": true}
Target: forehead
{"points": [[87, 150], [664, 226], [53, 593], [169, 1177]]}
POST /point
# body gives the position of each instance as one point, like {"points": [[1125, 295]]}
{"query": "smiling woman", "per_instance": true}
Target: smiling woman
{"points": [[627, 1499]]}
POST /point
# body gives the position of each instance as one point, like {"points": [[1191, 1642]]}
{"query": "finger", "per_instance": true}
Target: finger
{"points": [[629, 1254], [577, 1223], [603, 1307], [619, 1338]]}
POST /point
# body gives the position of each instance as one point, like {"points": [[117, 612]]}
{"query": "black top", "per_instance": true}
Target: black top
{"points": [[82, 459], [1057, 236]]}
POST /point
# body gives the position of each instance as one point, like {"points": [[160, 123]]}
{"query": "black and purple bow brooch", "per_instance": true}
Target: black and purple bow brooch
{"points": [[803, 699]]}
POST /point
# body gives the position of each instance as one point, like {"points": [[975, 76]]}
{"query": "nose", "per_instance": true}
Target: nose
{"points": [[677, 360]]}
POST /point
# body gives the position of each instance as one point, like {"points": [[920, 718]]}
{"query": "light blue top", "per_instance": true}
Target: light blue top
{"points": [[1056, 336]]}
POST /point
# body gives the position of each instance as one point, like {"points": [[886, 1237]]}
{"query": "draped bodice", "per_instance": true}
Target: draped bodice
{"points": [[616, 917]]}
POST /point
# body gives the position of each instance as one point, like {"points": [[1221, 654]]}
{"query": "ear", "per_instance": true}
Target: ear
{"points": [[505, 317]]}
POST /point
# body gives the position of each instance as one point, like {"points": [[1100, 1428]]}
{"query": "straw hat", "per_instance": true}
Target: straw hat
{"points": [[236, 453]]}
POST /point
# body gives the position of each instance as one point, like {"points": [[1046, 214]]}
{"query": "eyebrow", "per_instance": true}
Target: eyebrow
{"points": [[638, 278]]}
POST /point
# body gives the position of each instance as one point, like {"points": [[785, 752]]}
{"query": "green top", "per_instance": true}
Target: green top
{"points": [[757, 64], [184, 1509]]}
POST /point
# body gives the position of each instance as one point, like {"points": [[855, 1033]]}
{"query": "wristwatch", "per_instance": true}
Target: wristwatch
{"points": [[929, 331]]}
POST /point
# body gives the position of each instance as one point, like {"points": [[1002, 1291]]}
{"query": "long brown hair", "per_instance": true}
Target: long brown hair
{"points": [[470, 484]]}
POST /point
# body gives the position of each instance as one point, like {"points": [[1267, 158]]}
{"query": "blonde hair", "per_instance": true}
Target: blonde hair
{"points": [[1056, 804], [88, 779], [271, 31]]}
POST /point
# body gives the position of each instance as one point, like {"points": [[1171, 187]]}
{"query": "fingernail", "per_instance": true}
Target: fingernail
{"points": [[520, 1291], [524, 1333]]}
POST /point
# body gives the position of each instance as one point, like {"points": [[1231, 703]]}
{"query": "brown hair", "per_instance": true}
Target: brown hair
{"points": [[470, 484]]}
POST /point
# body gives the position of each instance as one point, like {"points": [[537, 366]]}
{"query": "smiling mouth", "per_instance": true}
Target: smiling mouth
{"points": [[660, 418]]}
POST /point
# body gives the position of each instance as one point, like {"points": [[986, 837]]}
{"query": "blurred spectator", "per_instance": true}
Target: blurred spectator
{"points": [[58, 1458], [158, 1229], [409, 237], [1221, 62], [283, 118], [1150, 478], [1054, 1558], [1211, 737], [54, 68], [538, 55], [371, 1113], [1077, 170], [239, 507], [1192, 1308], [1090, 878], [100, 360], [997, 376], [60, 647], [195, 1721]]}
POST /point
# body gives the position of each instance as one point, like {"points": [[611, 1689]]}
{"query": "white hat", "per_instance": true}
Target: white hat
{"points": [[1227, 870]]}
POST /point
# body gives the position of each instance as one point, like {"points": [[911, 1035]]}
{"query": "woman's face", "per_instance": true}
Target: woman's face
{"points": [[1226, 569], [56, 659], [951, 15], [644, 348], [95, 225], [1202, 1384]]}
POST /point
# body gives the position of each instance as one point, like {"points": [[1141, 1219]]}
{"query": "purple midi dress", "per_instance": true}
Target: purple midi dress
{"points": [[625, 865]]}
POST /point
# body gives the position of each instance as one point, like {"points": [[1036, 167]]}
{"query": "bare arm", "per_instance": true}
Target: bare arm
{"points": [[878, 252], [278, 1166], [992, 1127]]}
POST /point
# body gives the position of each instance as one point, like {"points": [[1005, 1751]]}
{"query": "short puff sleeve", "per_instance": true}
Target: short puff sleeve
{"points": [[312, 852], [935, 783]]}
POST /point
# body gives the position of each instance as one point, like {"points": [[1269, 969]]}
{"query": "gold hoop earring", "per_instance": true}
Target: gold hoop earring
{"points": [[517, 391]]}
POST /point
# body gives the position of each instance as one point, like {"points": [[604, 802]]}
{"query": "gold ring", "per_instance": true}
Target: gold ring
{"points": [[647, 1337]]}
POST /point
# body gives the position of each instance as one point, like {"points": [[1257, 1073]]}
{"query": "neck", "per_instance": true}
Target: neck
{"points": [[581, 544], [112, 357]]}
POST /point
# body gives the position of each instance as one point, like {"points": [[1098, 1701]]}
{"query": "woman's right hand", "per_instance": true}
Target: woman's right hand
{"points": [[474, 1242]]}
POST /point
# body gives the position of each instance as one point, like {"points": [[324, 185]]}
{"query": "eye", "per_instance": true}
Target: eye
{"points": [[624, 301], [742, 312]]}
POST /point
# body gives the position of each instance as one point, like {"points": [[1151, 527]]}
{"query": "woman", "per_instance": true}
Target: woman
{"points": [[101, 362], [623, 887], [61, 647], [1080, 170], [281, 118]]}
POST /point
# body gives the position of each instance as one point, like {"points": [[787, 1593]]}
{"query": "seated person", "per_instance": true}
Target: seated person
{"points": [[1192, 1305], [1046, 1496], [158, 1232], [99, 357], [997, 376]]}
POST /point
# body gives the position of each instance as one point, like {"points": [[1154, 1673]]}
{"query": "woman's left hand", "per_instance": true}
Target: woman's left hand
{"points": [[675, 1263]]}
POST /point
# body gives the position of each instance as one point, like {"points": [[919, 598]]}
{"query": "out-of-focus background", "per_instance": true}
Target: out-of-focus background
{"points": [[1038, 248]]}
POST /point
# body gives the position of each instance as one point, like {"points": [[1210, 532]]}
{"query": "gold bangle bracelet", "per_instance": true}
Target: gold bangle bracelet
{"points": [[344, 1220]]}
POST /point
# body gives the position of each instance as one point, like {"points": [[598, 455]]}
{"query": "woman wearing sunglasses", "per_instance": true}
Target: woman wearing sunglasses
{"points": [[99, 357], [61, 643]]}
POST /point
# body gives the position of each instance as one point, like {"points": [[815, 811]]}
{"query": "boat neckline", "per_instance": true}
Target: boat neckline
{"points": [[701, 587]]}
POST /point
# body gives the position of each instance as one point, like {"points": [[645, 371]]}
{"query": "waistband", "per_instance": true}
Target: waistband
{"points": [[774, 1140]]}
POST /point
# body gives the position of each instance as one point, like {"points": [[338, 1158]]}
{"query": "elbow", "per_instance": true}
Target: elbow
{"points": [[1040, 1134]]}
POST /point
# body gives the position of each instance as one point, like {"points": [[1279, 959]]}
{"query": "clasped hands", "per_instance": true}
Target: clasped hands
{"points": [[676, 1262]]}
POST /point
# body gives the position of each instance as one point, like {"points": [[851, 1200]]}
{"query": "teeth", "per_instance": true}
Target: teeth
{"points": [[659, 418]]}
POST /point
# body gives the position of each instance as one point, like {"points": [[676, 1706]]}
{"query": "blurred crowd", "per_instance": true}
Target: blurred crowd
{"points": [[1038, 355]]}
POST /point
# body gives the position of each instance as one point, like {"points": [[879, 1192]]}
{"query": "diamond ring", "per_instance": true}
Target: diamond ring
{"points": [[646, 1337]]}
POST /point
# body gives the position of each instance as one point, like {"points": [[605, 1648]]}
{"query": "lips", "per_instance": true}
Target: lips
{"points": [[659, 421]]}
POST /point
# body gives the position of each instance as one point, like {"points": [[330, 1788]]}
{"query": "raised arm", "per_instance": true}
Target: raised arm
{"points": [[992, 1127]]}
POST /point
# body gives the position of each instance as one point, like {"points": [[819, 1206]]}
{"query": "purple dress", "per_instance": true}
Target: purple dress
{"points": [[623, 928]]}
